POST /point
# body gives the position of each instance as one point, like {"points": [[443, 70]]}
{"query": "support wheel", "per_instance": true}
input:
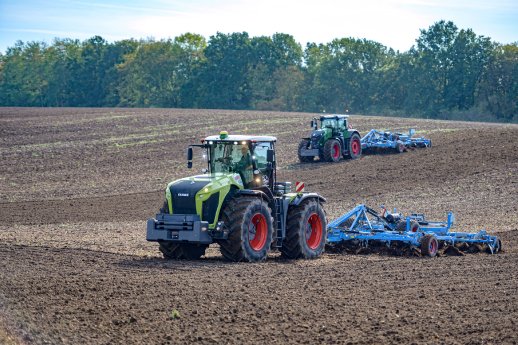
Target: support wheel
{"points": [[429, 246], [332, 151], [182, 251], [249, 222], [355, 147], [304, 145], [401, 226], [305, 231], [400, 148]]}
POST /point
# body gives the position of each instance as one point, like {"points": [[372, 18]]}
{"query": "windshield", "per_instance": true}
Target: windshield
{"points": [[329, 123], [231, 157]]}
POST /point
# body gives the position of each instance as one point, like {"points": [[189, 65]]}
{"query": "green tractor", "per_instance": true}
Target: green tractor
{"points": [[238, 203], [332, 141]]}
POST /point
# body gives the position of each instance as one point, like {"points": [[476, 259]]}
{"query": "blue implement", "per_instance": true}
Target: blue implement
{"points": [[363, 226], [393, 141]]}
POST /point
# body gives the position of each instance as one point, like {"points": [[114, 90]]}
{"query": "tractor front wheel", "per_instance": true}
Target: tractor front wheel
{"points": [[332, 151], [429, 245], [305, 231], [249, 222], [182, 251], [304, 145], [355, 147]]}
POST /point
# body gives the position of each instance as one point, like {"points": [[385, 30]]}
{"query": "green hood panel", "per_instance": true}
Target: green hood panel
{"points": [[201, 194]]}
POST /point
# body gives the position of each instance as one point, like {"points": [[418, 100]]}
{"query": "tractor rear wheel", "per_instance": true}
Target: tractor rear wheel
{"points": [[429, 246], [182, 251], [305, 231], [355, 147], [249, 222], [332, 151], [304, 145]]}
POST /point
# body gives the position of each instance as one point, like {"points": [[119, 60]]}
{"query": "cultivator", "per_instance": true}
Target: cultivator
{"points": [[363, 228], [382, 141]]}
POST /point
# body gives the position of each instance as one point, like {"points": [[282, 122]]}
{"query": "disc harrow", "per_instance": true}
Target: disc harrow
{"points": [[376, 141], [362, 230]]}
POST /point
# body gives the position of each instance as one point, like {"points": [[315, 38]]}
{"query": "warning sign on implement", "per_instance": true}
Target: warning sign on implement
{"points": [[299, 187]]}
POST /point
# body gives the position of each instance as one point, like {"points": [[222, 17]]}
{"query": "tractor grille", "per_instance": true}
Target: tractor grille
{"points": [[315, 139], [183, 195], [210, 206]]}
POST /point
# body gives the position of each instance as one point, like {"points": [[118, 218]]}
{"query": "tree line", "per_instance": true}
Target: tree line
{"points": [[448, 73]]}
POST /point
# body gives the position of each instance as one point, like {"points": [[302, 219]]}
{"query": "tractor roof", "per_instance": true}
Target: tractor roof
{"points": [[335, 116], [238, 137]]}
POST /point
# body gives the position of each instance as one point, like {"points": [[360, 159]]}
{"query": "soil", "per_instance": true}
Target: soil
{"points": [[78, 184]]}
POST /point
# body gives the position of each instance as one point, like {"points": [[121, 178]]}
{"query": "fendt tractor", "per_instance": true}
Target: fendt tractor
{"points": [[238, 203], [332, 141]]}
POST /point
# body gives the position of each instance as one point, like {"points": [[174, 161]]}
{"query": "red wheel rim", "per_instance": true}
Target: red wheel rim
{"points": [[257, 232], [336, 151], [414, 228], [355, 146], [314, 231], [432, 248]]}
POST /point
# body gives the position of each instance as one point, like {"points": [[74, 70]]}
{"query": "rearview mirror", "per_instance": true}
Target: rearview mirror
{"points": [[269, 155], [189, 158]]}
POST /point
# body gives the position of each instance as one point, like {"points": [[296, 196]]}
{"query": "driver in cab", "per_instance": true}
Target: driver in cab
{"points": [[244, 166]]}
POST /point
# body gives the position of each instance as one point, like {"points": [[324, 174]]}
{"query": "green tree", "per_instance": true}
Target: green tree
{"points": [[344, 74], [222, 80], [274, 70], [155, 73], [499, 86], [24, 79]]}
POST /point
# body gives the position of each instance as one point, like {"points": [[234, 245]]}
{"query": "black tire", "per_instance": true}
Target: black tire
{"points": [[182, 251], [354, 149], [401, 226], [332, 150], [429, 246], [400, 148], [304, 145], [249, 222], [305, 231]]}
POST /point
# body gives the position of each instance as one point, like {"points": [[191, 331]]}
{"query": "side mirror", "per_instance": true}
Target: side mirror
{"points": [[312, 124], [189, 158], [269, 156]]}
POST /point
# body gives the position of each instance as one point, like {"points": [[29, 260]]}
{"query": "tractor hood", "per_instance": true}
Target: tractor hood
{"points": [[318, 133], [187, 195]]}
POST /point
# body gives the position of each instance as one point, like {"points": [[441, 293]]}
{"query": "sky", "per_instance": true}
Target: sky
{"points": [[393, 23]]}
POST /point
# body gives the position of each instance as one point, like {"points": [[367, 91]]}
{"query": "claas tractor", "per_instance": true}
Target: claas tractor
{"points": [[238, 203], [332, 141]]}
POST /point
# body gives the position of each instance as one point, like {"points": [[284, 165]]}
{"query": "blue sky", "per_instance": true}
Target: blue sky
{"points": [[394, 23]]}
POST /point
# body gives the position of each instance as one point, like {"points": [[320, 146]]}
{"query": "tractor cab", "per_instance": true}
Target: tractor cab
{"points": [[337, 123], [252, 157]]}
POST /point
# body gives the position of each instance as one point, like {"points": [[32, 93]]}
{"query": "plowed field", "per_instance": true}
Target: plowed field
{"points": [[77, 185]]}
